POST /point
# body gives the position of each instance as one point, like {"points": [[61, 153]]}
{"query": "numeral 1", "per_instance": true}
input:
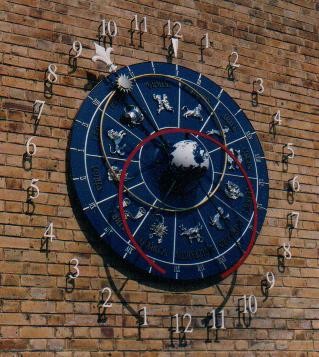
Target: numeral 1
{"points": [[143, 316]]}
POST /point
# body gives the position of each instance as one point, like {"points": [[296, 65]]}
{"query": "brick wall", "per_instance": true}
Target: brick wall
{"points": [[277, 41]]}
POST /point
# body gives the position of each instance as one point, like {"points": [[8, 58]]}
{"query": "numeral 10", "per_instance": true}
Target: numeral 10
{"points": [[252, 304], [109, 27]]}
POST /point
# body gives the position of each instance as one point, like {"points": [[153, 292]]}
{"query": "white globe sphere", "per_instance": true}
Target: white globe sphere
{"points": [[188, 155]]}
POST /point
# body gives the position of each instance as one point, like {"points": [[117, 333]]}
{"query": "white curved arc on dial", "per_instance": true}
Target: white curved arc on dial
{"points": [[86, 173], [179, 79], [173, 263]]}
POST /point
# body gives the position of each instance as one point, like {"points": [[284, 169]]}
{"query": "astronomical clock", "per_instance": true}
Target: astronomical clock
{"points": [[169, 172], [170, 176]]}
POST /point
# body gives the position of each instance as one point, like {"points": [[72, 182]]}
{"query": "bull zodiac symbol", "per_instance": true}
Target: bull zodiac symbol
{"points": [[196, 112]]}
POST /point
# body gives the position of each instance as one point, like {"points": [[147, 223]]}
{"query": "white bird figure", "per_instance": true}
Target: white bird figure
{"points": [[104, 55]]}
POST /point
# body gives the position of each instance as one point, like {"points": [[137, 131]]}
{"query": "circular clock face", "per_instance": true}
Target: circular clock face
{"points": [[169, 172]]}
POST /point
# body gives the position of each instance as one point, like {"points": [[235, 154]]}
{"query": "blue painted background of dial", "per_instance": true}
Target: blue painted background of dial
{"points": [[218, 248]]}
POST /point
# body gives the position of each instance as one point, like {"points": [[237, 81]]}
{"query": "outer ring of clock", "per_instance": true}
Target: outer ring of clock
{"points": [[82, 158]]}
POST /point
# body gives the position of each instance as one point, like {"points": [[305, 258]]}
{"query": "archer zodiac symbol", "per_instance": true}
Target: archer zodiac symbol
{"points": [[139, 214], [196, 112], [232, 190], [192, 233], [163, 103], [215, 221], [158, 229], [231, 162], [117, 137]]}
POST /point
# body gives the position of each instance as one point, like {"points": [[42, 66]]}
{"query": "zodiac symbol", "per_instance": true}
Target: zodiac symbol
{"points": [[196, 112], [117, 137], [104, 55], [52, 76], [192, 233], [114, 173], [231, 162], [215, 221], [163, 103], [133, 115], [158, 229], [218, 132], [139, 214], [232, 190]]}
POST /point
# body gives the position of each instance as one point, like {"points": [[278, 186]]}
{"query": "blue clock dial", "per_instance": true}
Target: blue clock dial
{"points": [[189, 166]]}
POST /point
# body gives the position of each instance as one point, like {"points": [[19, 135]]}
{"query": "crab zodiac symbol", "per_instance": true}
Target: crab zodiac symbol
{"points": [[196, 112], [163, 103], [192, 233], [133, 115], [116, 137]]}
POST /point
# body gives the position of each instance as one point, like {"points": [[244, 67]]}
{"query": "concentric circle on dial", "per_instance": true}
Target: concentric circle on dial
{"points": [[121, 198], [212, 116], [209, 239]]}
